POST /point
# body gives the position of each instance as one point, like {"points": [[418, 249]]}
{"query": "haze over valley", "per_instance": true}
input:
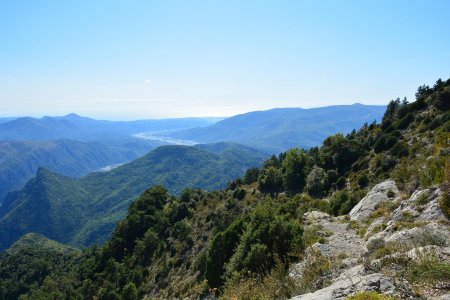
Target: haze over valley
{"points": [[235, 150]]}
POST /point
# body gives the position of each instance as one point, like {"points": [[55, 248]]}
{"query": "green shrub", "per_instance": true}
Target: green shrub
{"points": [[444, 204], [363, 181], [428, 269], [130, 292], [251, 175], [271, 180], [340, 183], [342, 202], [220, 251], [239, 194]]}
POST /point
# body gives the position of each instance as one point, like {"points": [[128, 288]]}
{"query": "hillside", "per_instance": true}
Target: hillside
{"points": [[279, 129], [363, 215], [28, 261], [84, 211], [19, 160], [81, 128]]}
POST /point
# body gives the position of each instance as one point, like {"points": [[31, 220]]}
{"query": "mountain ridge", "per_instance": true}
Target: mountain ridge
{"points": [[278, 129], [83, 211]]}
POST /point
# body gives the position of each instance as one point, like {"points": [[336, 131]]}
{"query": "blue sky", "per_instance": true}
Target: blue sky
{"points": [[147, 59]]}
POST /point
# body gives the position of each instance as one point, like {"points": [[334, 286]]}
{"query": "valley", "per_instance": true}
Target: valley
{"points": [[363, 216]]}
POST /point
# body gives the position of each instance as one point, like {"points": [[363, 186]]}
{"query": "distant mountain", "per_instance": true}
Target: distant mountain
{"points": [[84, 211], [19, 160], [4, 120], [80, 128], [283, 128]]}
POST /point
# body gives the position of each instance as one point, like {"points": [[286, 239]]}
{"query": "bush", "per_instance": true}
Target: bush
{"points": [[220, 251], [340, 183], [295, 167], [239, 194], [342, 202], [363, 181], [400, 149], [271, 180], [428, 269], [251, 175], [276, 230], [316, 182], [130, 292], [444, 204]]}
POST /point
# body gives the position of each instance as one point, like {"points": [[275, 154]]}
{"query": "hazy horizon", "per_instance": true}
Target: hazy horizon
{"points": [[166, 59], [185, 117]]}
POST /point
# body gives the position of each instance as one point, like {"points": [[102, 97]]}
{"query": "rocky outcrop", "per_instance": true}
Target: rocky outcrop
{"points": [[351, 281], [414, 227], [379, 193]]}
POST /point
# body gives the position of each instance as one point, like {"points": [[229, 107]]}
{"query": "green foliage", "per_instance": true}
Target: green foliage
{"points": [[295, 168], [28, 262], [444, 204], [239, 242], [251, 175], [130, 292], [317, 182], [428, 269], [271, 180], [342, 203], [239, 194], [363, 181], [270, 234], [52, 202], [221, 250]]}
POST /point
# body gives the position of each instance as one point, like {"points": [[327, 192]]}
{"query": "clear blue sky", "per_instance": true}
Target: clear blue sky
{"points": [[146, 59]]}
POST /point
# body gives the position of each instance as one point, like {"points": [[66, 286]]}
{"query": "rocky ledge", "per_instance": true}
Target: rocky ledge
{"points": [[390, 243]]}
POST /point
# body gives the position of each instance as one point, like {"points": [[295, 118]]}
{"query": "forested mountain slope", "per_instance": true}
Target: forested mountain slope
{"points": [[279, 129], [358, 206], [19, 160], [84, 211], [28, 261]]}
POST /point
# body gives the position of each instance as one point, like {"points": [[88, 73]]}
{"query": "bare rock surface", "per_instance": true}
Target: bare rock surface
{"points": [[350, 282], [379, 193], [414, 224]]}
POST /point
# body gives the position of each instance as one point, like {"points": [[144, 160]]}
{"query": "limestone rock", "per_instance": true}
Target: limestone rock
{"points": [[350, 282], [378, 194]]}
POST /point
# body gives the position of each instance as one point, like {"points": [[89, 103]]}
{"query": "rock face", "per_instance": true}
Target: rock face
{"points": [[350, 282], [415, 226], [379, 193]]}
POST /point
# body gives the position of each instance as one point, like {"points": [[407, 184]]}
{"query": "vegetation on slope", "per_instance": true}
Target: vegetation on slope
{"points": [[238, 242], [19, 160], [84, 211], [28, 262], [279, 129]]}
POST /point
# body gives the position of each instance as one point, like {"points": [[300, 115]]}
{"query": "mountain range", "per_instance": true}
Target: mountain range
{"points": [[363, 216], [279, 129], [80, 128], [84, 211]]}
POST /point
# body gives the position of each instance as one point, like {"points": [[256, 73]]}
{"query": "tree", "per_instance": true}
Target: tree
{"points": [[251, 175], [220, 251], [271, 180], [316, 182], [130, 292], [295, 168]]}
